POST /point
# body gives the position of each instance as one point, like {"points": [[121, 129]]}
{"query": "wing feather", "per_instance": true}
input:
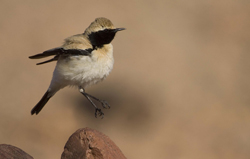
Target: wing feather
{"points": [[47, 53], [60, 52]]}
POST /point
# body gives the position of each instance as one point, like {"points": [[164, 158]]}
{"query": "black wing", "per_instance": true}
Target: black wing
{"points": [[60, 51]]}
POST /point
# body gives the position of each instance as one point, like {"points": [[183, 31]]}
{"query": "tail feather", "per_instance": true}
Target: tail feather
{"points": [[41, 103]]}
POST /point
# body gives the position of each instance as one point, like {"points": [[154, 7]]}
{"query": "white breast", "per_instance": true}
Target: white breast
{"points": [[83, 70]]}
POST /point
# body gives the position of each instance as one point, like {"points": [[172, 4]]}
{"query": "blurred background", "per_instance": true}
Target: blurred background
{"points": [[179, 88]]}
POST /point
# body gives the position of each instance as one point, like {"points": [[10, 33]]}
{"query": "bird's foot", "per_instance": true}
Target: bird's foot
{"points": [[105, 104], [98, 112]]}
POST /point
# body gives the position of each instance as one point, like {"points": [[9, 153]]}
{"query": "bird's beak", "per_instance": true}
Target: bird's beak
{"points": [[119, 29]]}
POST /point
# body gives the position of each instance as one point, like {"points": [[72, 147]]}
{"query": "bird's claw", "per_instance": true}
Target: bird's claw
{"points": [[105, 104], [98, 112]]}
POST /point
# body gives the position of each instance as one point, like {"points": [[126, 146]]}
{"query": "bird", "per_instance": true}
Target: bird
{"points": [[82, 60]]}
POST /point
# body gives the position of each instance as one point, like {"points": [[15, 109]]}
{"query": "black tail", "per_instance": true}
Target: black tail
{"points": [[41, 103]]}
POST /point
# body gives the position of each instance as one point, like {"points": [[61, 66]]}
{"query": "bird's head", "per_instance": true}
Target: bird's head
{"points": [[101, 32]]}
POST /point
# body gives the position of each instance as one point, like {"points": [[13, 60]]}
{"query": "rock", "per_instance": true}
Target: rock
{"points": [[12, 152], [87, 143]]}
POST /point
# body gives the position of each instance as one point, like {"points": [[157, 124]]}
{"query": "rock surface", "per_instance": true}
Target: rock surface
{"points": [[12, 152], [87, 143]]}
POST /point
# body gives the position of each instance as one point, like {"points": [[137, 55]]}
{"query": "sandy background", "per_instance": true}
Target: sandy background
{"points": [[179, 88]]}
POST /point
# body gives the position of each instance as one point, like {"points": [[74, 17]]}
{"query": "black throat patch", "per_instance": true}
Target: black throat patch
{"points": [[102, 37]]}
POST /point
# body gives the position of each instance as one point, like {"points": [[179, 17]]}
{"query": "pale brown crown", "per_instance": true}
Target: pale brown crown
{"points": [[99, 24]]}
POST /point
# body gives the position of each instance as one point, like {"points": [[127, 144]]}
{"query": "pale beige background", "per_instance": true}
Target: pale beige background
{"points": [[179, 88]]}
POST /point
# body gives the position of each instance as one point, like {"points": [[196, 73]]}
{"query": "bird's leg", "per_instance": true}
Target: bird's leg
{"points": [[97, 110], [105, 104]]}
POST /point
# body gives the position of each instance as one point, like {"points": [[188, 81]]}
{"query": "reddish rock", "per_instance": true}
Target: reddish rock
{"points": [[87, 143], [12, 152]]}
